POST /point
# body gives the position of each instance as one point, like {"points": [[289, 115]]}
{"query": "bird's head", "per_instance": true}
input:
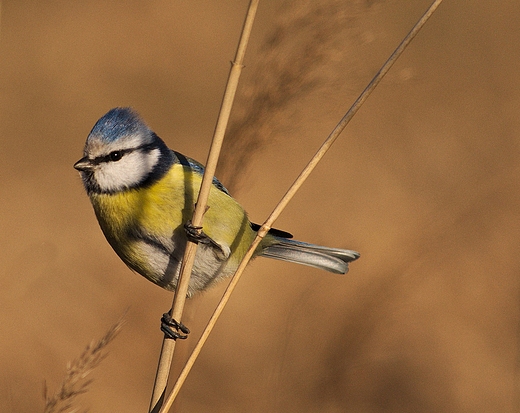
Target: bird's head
{"points": [[121, 153]]}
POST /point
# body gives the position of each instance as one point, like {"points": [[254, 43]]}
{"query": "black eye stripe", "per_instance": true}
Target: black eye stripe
{"points": [[122, 152], [115, 156]]}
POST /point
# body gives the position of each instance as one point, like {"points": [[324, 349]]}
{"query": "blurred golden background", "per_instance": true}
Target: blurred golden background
{"points": [[424, 183]]}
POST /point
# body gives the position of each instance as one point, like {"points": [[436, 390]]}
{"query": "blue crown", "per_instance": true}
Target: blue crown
{"points": [[117, 123]]}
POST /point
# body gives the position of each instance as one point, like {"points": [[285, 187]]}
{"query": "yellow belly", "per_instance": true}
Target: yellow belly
{"points": [[159, 212]]}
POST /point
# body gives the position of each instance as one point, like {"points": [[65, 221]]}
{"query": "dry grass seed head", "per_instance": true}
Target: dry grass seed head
{"points": [[75, 382]]}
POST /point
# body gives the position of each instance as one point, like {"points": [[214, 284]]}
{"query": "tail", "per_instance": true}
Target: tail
{"points": [[329, 259]]}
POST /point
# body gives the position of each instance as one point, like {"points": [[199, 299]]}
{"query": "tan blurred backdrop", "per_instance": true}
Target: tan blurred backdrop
{"points": [[424, 183]]}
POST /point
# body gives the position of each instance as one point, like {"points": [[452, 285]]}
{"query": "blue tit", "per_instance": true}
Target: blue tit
{"points": [[143, 194]]}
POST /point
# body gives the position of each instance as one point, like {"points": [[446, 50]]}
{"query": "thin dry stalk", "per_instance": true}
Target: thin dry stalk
{"points": [[290, 193], [168, 346], [75, 381], [299, 58]]}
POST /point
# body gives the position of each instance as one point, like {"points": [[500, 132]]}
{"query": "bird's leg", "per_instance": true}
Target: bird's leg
{"points": [[168, 324], [194, 233]]}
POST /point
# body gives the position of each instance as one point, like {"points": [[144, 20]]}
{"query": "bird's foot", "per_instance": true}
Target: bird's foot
{"points": [[172, 329], [194, 233]]}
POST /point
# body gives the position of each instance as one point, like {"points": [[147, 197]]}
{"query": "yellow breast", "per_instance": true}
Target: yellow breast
{"points": [[163, 207]]}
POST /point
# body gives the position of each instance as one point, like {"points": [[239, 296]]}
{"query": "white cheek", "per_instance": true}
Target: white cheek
{"points": [[133, 168]]}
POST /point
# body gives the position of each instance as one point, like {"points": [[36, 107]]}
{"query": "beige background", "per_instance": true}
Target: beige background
{"points": [[424, 183]]}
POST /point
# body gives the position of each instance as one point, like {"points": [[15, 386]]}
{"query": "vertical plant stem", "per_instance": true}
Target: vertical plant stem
{"points": [[179, 299], [289, 195]]}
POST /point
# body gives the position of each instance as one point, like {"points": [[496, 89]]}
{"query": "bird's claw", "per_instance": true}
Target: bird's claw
{"points": [[171, 328], [194, 233]]}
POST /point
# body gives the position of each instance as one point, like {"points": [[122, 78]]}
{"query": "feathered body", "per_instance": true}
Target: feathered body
{"points": [[143, 193]]}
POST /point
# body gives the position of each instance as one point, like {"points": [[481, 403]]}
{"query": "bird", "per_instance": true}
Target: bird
{"points": [[144, 194]]}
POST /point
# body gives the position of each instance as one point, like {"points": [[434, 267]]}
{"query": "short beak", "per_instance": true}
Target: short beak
{"points": [[84, 165]]}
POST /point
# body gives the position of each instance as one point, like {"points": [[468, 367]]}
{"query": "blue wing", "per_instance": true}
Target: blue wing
{"points": [[198, 168]]}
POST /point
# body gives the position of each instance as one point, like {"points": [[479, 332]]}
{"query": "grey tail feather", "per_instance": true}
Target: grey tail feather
{"points": [[329, 259]]}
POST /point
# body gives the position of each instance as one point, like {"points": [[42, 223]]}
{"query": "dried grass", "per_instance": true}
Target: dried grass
{"points": [[295, 60], [75, 381]]}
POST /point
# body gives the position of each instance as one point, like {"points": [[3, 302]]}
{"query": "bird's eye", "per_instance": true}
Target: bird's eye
{"points": [[115, 156]]}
